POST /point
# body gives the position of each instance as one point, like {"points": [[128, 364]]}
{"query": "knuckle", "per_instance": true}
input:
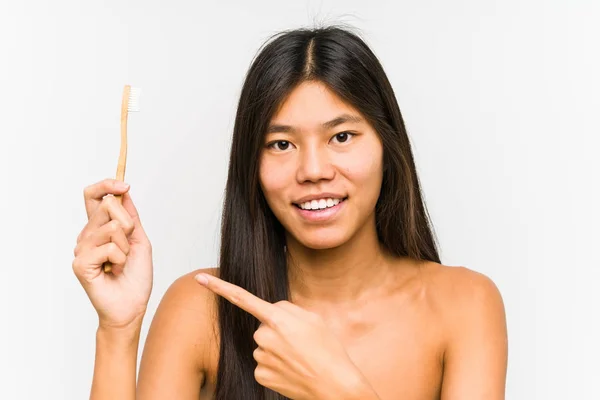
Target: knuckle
{"points": [[258, 336], [129, 225], [260, 375], [107, 204], [115, 225], [275, 319], [104, 204], [261, 356], [82, 236], [237, 296], [75, 265], [112, 248], [89, 190], [283, 304]]}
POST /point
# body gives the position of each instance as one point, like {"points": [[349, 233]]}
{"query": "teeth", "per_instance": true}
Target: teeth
{"points": [[320, 204]]}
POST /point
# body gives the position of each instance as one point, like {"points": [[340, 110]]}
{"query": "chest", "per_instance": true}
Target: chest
{"points": [[399, 352]]}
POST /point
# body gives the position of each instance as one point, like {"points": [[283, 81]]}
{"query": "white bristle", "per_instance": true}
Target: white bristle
{"points": [[134, 99]]}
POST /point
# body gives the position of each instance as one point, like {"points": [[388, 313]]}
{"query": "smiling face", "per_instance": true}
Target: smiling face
{"points": [[320, 153]]}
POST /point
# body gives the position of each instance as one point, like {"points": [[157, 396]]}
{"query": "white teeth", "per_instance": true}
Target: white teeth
{"points": [[319, 204]]}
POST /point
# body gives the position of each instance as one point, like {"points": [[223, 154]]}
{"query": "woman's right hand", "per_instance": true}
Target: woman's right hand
{"points": [[114, 233]]}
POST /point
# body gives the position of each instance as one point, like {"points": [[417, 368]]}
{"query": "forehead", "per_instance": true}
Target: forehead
{"points": [[310, 104]]}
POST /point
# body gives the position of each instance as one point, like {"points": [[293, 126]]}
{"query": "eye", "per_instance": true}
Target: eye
{"points": [[343, 137], [280, 145]]}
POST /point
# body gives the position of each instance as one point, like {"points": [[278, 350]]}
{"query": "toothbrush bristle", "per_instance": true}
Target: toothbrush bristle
{"points": [[134, 99]]}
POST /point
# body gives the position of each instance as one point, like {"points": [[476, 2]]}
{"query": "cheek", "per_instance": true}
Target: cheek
{"points": [[365, 170], [274, 180]]}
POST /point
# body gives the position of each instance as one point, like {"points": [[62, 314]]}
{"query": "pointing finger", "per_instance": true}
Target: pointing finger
{"points": [[238, 296]]}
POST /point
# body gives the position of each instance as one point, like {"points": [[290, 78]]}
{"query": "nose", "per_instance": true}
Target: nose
{"points": [[314, 165]]}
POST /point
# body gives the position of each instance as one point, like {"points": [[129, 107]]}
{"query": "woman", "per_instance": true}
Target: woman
{"points": [[329, 283]]}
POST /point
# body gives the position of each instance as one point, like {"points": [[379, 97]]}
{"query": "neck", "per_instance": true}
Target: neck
{"points": [[351, 272]]}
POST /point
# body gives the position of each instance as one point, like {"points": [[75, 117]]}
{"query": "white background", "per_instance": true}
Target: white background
{"points": [[501, 100]]}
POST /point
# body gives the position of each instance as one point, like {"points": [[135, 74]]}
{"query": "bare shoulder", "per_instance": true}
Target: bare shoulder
{"points": [[187, 300], [179, 341], [459, 290], [186, 292], [471, 311], [463, 298]]}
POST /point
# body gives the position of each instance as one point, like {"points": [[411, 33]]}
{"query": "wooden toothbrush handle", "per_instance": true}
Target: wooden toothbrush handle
{"points": [[107, 266]]}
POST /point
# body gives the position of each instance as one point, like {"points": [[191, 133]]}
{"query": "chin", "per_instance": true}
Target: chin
{"points": [[322, 240]]}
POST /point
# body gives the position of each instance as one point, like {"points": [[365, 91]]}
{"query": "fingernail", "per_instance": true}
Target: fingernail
{"points": [[122, 185], [201, 278]]}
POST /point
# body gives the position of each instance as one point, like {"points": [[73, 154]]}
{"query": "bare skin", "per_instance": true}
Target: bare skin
{"points": [[413, 330], [429, 324]]}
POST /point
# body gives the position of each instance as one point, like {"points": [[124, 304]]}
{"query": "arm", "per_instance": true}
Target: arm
{"points": [[116, 360], [476, 356], [179, 340], [171, 365]]}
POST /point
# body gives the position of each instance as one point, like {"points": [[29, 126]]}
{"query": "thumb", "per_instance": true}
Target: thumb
{"points": [[138, 232]]}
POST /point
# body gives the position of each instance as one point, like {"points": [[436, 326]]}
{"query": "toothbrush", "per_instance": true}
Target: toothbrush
{"points": [[130, 103]]}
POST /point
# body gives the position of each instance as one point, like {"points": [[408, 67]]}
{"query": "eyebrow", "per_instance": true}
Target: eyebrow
{"points": [[344, 118]]}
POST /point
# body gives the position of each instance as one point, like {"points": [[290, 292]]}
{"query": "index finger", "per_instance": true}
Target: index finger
{"points": [[238, 296], [93, 194]]}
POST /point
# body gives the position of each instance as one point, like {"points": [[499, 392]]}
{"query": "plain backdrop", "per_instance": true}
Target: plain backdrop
{"points": [[500, 98]]}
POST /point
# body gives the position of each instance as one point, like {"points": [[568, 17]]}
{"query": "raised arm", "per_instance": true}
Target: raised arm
{"points": [[116, 362], [114, 234], [181, 335]]}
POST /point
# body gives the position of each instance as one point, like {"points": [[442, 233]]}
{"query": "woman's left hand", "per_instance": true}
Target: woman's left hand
{"points": [[297, 355]]}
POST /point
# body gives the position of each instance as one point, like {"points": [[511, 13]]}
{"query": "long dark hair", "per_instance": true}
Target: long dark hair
{"points": [[252, 239]]}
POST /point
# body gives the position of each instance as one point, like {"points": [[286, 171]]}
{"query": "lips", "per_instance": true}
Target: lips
{"points": [[320, 204], [321, 215]]}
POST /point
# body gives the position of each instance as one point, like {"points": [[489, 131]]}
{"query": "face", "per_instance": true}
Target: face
{"points": [[321, 168]]}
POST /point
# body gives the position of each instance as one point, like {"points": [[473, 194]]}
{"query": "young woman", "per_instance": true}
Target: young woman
{"points": [[329, 283]]}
